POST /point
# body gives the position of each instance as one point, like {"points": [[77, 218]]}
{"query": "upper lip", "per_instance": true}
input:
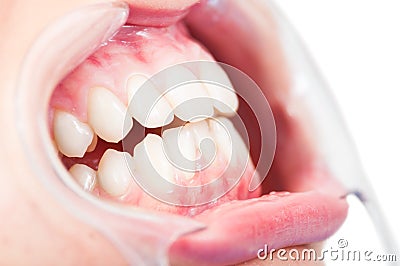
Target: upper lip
{"points": [[291, 128]]}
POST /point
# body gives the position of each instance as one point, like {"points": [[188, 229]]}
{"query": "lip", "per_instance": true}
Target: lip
{"points": [[299, 165], [310, 172]]}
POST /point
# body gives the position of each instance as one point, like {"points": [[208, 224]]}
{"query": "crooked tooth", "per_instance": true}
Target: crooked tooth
{"points": [[222, 136], [150, 150], [84, 175], [146, 104], [107, 115], [71, 135], [114, 172], [203, 141], [181, 150], [237, 144], [190, 102], [223, 94]]}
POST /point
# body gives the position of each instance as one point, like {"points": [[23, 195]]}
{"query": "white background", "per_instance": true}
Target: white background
{"points": [[356, 45]]}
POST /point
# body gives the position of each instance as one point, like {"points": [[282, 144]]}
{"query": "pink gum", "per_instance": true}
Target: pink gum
{"points": [[133, 49], [137, 197]]}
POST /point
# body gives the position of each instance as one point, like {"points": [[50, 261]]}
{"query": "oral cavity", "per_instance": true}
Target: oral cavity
{"points": [[111, 93], [96, 111]]}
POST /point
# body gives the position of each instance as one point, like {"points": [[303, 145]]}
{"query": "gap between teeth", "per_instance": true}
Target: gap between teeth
{"points": [[116, 169]]}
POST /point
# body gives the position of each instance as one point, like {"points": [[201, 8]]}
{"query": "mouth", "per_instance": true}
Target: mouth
{"points": [[96, 114]]}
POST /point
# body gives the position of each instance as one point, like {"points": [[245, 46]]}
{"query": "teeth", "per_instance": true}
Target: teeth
{"points": [[225, 98], [84, 175], [150, 150], [241, 150], [107, 115], [204, 142], [146, 104], [222, 136], [72, 136], [93, 145], [191, 101], [114, 172], [181, 150]]}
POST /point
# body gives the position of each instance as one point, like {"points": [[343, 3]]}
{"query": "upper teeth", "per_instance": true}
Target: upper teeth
{"points": [[219, 88], [107, 115], [72, 136], [189, 100], [147, 105]]}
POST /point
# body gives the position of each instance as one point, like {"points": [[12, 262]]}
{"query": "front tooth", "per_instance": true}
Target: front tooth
{"points": [[150, 150], [71, 135], [190, 101], [84, 175], [114, 172], [107, 115], [146, 104], [222, 92], [181, 150]]}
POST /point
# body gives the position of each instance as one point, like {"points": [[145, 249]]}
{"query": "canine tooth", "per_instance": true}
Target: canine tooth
{"points": [[190, 101], [146, 104], [225, 98], [114, 172], [107, 115], [151, 150], [181, 150], [84, 175], [71, 135]]}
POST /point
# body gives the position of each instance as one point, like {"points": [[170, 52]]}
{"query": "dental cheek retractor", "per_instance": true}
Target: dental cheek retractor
{"points": [[55, 53], [94, 25]]}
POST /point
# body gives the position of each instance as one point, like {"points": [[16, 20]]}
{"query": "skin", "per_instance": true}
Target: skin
{"points": [[52, 233]]}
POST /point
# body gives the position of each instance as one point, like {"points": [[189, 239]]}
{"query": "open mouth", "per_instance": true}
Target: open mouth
{"points": [[299, 202]]}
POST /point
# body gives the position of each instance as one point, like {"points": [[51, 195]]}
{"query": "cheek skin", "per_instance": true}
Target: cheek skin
{"points": [[33, 223]]}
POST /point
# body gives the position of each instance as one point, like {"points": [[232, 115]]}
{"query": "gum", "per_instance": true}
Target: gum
{"points": [[135, 196], [134, 49]]}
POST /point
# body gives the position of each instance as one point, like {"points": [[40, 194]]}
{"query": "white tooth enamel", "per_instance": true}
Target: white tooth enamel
{"points": [[106, 115], [225, 98], [84, 175], [93, 145], [150, 150], [190, 102], [241, 150], [71, 135], [180, 148], [204, 141], [222, 137], [114, 173], [146, 104]]}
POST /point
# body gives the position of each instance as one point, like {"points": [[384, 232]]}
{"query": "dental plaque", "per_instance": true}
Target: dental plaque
{"points": [[151, 119]]}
